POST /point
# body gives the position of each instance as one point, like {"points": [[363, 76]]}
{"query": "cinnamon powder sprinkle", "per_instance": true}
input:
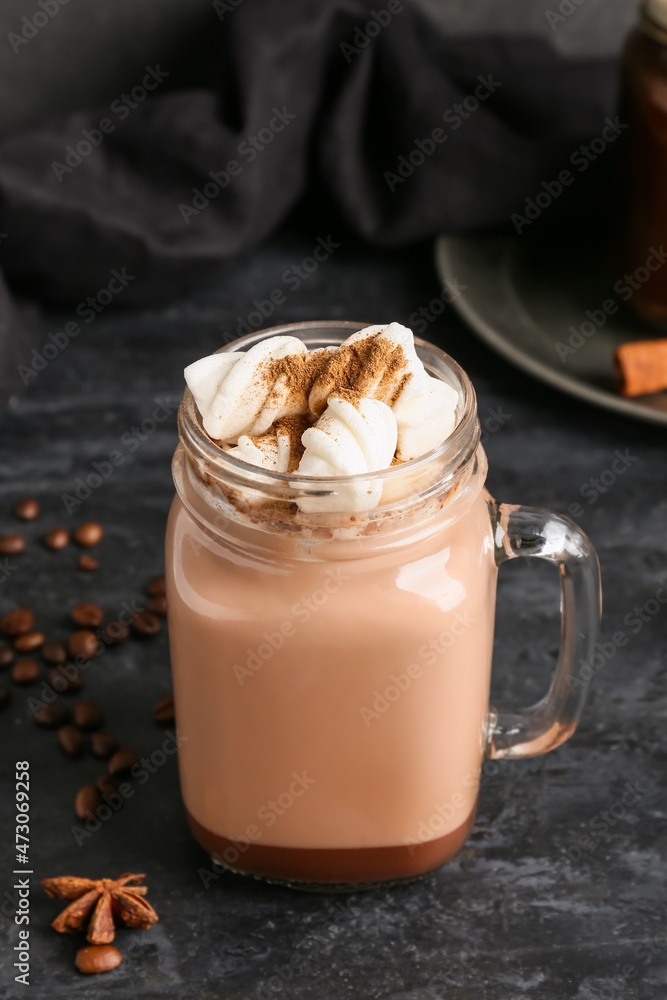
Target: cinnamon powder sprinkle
{"points": [[368, 368], [300, 371], [293, 426]]}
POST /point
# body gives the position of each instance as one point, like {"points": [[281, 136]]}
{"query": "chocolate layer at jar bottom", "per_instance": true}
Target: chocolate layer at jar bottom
{"points": [[332, 866]]}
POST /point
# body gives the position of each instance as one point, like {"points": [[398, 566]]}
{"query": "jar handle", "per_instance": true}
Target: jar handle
{"points": [[531, 531]]}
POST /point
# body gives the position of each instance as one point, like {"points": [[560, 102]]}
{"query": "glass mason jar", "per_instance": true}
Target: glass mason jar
{"points": [[331, 669]]}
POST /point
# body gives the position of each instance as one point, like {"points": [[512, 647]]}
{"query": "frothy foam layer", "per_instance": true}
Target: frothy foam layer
{"points": [[337, 411]]}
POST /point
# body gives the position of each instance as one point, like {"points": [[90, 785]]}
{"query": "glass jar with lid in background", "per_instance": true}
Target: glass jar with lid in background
{"points": [[331, 669], [641, 197]]}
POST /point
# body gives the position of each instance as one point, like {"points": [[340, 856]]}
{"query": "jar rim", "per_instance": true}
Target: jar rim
{"points": [[451, 453]]}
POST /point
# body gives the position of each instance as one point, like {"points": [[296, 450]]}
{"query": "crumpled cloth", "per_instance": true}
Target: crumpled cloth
{"points": [[407, 131]]}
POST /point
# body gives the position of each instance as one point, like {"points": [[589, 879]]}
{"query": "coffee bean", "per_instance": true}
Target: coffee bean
{"points": [[106, 784], [28, 641], [144, 623], [11, 545], [17, 622], [88, 715], [88, 563], [103, 744], [115, 632], [87, 615], [54, 652], [57, 538], [5, 696], [27, 509], [71, 740], [122, 760], [6, 656], [157, 586], [65, 679], [88, 801], [83, 643], [163, 710], [51, 715], [97, 958], [88, 534], [157, 605], [25, 672]]}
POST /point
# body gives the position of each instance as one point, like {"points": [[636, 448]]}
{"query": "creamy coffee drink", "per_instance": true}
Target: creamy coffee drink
{"points": [[332, 555], [331, 593]]}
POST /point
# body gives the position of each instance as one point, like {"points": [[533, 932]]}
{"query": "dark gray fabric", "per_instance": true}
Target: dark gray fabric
{"points": [[339, 98]]}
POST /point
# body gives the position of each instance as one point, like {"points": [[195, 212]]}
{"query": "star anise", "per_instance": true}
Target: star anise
{"points": [[101, 903]]}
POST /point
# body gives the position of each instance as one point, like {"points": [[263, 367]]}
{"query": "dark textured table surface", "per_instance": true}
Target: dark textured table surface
{"points": [[560, 890]]}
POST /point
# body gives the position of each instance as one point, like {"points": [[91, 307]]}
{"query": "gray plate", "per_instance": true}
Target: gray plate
{"points": [[523, 295]]}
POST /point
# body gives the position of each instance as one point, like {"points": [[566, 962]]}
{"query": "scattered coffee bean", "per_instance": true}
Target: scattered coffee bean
{"points": [[145, 623], [157, 605], [103, 744], [97, 958], [57, 538], [115, 632], [28, 641], [106, 784], [88, 801], [157, 586], [83, 643], [27, 509], [87, 615], [65, 679], [51, 715], [6, 656], [11, 545], [25, 672], [88, 715], [71, 740], [54, 652], [17, 622], [5, 696], [88, 534], [122, 760], [163, 710], [88, 563]]}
